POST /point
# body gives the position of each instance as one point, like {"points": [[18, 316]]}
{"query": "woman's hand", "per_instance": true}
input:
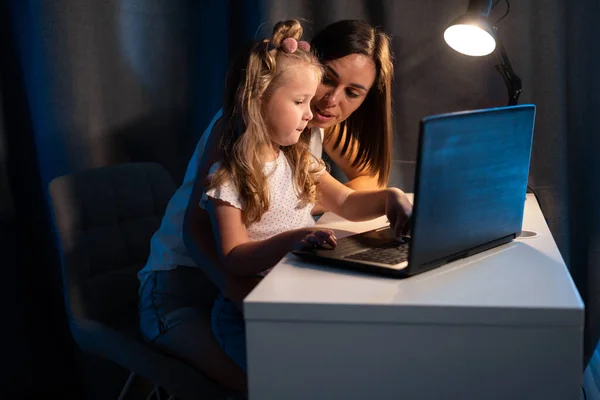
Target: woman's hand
{"points": [[397, 209], [308, 238]]}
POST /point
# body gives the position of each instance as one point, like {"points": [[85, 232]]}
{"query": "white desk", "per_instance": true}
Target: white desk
{"points": [[503, 324]]}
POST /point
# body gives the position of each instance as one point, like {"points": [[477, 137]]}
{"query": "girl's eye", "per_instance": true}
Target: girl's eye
{"points": [[298, 102]]}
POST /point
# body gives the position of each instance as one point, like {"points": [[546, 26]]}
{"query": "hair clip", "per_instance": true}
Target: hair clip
{"points": [[290, 45], [304, 45]]}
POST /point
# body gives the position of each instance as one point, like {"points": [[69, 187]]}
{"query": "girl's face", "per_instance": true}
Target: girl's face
{"points": [[346, 82], [287, 109]]}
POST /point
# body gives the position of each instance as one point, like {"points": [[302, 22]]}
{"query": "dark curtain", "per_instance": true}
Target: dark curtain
{"points": [[87, 83], [38, 354]]}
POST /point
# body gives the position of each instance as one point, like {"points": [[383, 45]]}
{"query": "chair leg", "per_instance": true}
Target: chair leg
{"points": [[127, 386], [158, 394], [154, 391]]}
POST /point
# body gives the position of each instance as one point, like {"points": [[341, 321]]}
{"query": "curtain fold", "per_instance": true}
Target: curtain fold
{"points": [[40, 354], [582, 83]]}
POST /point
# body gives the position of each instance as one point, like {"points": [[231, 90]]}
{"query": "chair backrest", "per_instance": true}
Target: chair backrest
{"points": [[105, 218]]}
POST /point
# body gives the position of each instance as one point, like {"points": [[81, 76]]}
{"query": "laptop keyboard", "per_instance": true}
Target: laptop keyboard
{"points": [[388, 253]]}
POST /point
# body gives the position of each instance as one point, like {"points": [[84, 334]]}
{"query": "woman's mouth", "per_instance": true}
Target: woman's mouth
{"points": [[321, 116]]}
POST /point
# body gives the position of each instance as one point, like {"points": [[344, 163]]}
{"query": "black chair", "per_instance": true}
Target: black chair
{"points": [[105, 218]]}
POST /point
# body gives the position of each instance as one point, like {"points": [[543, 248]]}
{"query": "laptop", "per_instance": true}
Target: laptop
{"points": [[469, 195]]}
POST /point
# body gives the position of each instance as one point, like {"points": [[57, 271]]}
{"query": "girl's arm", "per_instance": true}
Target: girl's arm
{"points": [[242, 257], [358, 178], [364, 205]]}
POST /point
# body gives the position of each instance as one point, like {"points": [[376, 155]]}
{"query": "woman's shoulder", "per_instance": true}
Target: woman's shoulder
{"points": [[212, 130], [215, 128], [211, 138]]}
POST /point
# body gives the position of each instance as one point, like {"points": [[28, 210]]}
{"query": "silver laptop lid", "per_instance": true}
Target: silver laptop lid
{"points": [[470, 182]]}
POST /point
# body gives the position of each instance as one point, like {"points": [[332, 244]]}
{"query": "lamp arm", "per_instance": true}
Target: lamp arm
{"points": [[504, 68]]}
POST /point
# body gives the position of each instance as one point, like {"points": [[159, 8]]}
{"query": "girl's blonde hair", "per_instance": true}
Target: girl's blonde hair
{"points": [[250, 82]]}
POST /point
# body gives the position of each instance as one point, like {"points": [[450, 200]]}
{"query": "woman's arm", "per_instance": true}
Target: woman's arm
{"points": [[242, 257]]}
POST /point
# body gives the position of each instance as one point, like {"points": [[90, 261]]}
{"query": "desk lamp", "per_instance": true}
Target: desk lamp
{"points": [[471, 34]]}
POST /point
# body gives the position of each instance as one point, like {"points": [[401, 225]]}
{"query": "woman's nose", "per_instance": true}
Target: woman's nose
{"points": [[331, 97]]}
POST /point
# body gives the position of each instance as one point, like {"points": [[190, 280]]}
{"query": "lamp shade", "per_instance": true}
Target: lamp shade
{"points": [[470, 34]]}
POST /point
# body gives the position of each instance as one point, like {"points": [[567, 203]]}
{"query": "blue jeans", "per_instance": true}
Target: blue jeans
{"points": [[172, 298], [229, 329]]}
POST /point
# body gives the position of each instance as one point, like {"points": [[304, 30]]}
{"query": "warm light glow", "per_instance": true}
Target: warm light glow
{"points": [[470, 40]]}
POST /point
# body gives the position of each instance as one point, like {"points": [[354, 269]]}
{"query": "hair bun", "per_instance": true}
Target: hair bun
{"points": [[284, 30]]}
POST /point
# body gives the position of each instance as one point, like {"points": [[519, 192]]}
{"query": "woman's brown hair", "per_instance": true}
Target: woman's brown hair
{"points": [[370, 126]]}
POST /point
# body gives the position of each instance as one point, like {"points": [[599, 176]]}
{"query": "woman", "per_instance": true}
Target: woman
{"points": [[351, 127]]}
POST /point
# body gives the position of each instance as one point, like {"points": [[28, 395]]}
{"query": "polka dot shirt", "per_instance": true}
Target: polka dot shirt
{"points": [[283, 214]]}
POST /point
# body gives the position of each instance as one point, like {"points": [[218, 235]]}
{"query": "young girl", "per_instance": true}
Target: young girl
{"points": [[261, 193]]}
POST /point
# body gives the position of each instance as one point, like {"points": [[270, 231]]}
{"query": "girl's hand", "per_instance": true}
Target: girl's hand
{"points": [[397, 209], [309, 238]]}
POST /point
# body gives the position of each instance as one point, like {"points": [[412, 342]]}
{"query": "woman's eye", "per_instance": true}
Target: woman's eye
{"points": [[352, 94], [327, 80]]}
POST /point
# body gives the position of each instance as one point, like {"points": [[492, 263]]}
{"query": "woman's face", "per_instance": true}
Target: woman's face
{"points": [[346, 82]]}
